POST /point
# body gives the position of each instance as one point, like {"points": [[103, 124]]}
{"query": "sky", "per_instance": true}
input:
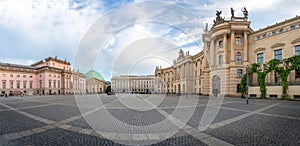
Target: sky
{"points": [[123, 36]]}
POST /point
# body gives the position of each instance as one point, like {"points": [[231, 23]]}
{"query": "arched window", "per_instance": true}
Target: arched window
{"points": [[238, 57], [220, 60]]}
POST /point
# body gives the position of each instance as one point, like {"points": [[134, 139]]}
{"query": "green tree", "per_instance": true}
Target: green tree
{"points": [[261, 70], [108, 89], [284, 69]]}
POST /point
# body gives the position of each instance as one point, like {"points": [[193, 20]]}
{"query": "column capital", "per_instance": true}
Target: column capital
{"points": [[246, 32]]}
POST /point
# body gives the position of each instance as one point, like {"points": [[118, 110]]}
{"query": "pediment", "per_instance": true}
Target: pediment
{"points": [[296, 41], [260, 49], [277, 45]]}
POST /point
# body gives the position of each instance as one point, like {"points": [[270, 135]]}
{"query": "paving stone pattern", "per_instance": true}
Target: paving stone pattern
{"points": [[260, 130], [54, 112], [11, 121]]}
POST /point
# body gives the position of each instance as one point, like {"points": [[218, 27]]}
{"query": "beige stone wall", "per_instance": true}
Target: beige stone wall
{"points": [[279, 36], [205, 65]]}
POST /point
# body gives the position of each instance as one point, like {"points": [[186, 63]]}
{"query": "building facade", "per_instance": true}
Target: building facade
{"points": [[46, 77], [133, 84], [228, 47], [95, 83]]}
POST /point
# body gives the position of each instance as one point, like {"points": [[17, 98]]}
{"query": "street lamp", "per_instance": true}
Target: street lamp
{"points": [[247, 84]]}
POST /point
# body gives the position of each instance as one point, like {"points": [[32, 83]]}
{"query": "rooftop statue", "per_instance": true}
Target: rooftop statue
{"points": [[232, 13], [219, 19], [245, 12]]}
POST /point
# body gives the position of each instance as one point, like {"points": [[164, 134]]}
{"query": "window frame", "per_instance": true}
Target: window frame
{"points": [[220, 59], [278, 54], [238, 41], [297, 50], [238, 57], [260, 57], [239, 73], [220, 44]]}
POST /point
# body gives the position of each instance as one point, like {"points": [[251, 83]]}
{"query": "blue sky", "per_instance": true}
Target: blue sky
{"points": [[31, 30]]}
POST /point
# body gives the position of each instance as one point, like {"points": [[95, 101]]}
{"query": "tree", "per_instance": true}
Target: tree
{"points": [[284, 69], [261, 70], [108, 89]]}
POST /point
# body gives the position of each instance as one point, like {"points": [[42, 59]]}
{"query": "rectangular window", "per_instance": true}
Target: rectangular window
{"points": [[11, 75], [238, 41], [40, 83], [30, 76], [18, 85], [293, 27], [30, 84], [281, 30], [18, 76], [274, 33], [24, 76], [297, 73], [58, 84], [238, 57], [4, 85], [238, 88], [278, 54], [297, 50], [239, 73], [220, 44], [24, 84], [260, 58], [11, 84], [276, 77]]}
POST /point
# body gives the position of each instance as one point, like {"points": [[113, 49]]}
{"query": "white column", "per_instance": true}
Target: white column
{"points": [[225, 48], [232, 46], [245, 46]]}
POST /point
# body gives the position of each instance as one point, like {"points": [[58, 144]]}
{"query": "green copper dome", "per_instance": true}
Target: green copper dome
{"points": [[94, 74]]}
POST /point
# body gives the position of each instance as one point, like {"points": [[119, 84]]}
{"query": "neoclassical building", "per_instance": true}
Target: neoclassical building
{"points": [[95, 82], [133, 84], [45, 77], [228, 47]]}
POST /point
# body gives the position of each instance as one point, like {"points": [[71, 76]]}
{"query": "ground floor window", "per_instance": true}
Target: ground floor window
{"points": [[297, 74], [238, 88]]}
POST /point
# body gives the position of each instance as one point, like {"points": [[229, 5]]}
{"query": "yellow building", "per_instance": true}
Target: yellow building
{"points": [[228, 47]]}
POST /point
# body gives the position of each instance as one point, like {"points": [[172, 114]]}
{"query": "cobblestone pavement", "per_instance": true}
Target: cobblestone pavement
{"points": [[57, 120]]}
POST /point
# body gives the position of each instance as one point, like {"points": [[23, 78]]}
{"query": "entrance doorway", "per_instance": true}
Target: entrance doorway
{"points": [[216, 85]]}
